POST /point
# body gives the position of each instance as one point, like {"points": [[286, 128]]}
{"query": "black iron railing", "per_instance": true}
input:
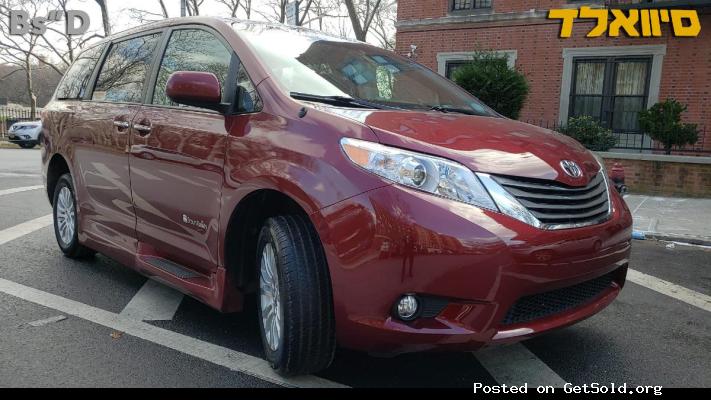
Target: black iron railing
{"points": [[638, 142]]}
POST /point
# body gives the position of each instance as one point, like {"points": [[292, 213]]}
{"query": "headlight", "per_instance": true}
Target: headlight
{"points": [[429, 174]]}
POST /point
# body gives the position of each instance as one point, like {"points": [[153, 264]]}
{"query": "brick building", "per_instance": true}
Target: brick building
{"points": [[609, 78]]}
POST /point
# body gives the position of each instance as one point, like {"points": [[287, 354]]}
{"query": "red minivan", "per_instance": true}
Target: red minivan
{"points": [[366, 201]]}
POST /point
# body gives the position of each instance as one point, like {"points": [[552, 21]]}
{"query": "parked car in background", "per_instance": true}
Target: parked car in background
{"points": [[364, 200], [25, 134]]}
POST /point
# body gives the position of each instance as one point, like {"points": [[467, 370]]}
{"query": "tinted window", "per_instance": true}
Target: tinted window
{"points": [[124, 72], [73, 85], [192, 50], [249, 100]]}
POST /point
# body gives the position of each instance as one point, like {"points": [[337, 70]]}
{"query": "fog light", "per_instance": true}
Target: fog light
{"points": [[407, 307]]}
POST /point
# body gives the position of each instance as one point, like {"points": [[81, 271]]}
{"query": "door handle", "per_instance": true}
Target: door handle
{"points": [[142, 129], [121, 124]]}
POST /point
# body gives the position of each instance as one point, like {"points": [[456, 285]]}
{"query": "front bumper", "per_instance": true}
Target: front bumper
{"points": [[393, 240], [19, 140]]}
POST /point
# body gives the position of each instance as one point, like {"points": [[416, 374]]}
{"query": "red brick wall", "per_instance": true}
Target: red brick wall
{"points": [[686, 71], [420, 9], [664, 178]]}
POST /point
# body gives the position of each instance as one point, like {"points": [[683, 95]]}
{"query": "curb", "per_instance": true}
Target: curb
{"points": [[4, 144], [700, 241]]}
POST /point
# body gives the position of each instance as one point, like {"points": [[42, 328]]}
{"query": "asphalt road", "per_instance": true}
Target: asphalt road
{"points": [[644, 338]]}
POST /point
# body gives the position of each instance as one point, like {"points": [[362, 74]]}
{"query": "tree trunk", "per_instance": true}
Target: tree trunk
{"points": [[163, 9], [282, 11], [105, 16], [30, 87], [355, 21]]}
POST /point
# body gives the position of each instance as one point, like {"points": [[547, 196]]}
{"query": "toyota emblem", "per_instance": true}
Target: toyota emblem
{"points": [[571, 168]]}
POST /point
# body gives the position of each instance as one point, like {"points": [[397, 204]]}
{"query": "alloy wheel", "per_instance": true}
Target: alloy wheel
{"points": [[272, 313]]}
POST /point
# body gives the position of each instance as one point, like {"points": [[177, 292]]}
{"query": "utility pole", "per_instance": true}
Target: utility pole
{"points": [[292, 13], [183, 7]]}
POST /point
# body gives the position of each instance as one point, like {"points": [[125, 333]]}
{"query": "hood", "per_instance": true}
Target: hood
{"points": [[31, 124], [485, 144]]}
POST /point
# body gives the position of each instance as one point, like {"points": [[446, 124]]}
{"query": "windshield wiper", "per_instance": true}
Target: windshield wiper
{"points": [[342, 101], [447, 109]]}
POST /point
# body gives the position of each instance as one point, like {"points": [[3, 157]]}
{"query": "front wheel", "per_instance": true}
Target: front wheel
{"points": [[295, 301], [65, 220]]}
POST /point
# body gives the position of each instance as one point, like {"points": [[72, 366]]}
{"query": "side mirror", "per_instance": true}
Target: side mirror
{"points": [[197, 89]]}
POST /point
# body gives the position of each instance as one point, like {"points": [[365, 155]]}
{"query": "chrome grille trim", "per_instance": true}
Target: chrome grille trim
{"points": [[557, 206]]}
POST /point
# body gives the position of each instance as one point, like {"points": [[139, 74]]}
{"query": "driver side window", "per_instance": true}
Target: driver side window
{"points": [[192, 50]]}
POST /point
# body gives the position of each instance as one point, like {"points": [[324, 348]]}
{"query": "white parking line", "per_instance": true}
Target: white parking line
{"points": [[688, 296], [17, 175], [516, 365], [639, 205], [153, 302], [215, 354], [20, 189], [24, 228]]}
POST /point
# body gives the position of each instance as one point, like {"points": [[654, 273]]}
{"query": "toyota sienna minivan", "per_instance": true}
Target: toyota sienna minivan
{"points": [[367, 202]]}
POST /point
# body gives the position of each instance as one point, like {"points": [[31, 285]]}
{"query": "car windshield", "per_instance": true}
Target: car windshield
{"points": [[308, 63]]}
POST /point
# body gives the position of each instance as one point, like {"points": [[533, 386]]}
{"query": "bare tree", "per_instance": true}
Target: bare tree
{"points": [[278, 8], [383, 26], [163, 9], [362, 13], [194, 6], [20, 51], [248, 8], [54, 49], [143, 15], [232, 5], [104, 16]]}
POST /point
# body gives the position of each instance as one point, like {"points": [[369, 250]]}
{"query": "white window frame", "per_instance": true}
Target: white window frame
{"points": [[443, 58], [569, 54]]}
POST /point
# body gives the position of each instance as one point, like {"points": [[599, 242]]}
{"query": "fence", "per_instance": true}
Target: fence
{"points": [[640, 143], [9, 116]]}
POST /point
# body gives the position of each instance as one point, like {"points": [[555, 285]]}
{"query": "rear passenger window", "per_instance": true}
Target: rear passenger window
{"points": [[124, 72], [192, 50], [73, 85]]}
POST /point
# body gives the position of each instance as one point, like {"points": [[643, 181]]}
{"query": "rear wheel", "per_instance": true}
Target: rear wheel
{"points": [[65, 220], [295, 302]]}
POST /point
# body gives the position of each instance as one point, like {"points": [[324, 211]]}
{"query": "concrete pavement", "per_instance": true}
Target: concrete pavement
{"points": [[669, 218]]}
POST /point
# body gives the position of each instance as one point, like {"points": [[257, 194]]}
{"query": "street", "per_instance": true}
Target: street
{"points": [[80, 323]]}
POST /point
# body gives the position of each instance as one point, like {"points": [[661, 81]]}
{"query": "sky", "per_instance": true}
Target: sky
{"points": [[121, 18]]}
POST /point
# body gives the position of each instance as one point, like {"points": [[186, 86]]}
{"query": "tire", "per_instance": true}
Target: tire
{"points": [[64, 209], [307, 342], [28, 145]]}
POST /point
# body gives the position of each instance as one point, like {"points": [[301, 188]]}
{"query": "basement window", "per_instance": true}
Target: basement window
{"points": [[463, 6]]}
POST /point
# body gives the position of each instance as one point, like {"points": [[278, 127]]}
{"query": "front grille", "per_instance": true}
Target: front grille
{"points": [[542, 305], [559, 206]]}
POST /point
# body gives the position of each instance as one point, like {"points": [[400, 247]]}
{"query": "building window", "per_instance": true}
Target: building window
{"points": [[448, 62], [463, 5], [452, 66], [612, 90]]}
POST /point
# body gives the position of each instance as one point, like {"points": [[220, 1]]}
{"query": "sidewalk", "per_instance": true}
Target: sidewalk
{"points": [[670, 218]]}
